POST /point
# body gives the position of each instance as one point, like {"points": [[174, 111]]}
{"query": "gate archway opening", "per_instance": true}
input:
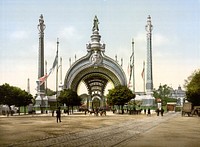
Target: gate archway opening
{"points": [[96, 102], [82, 91]]}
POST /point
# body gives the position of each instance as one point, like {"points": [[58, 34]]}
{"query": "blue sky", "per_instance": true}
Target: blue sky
{"points": [[176, 34]]}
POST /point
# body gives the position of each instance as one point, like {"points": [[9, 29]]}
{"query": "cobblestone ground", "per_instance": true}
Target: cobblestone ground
{"points": [[114, 135], [112, 130]]}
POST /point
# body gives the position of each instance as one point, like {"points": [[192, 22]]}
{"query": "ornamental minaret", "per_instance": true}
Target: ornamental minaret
{"points": [[95, 47], [149, 80], [40, 99], [41, 27]]}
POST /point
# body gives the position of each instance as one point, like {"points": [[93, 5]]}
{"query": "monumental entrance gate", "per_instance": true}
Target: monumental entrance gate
{"points": [[95, 70]]}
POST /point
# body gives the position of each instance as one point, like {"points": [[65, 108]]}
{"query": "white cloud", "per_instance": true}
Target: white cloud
{"points": [[173, 59], [140, 37], [69, 32], [160, 40], [19, 35]]}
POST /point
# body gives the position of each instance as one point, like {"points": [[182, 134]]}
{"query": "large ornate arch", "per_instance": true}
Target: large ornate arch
{"points": [[108, 69], [95, 69]]}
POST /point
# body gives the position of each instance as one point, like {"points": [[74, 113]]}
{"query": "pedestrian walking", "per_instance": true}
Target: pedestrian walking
{"points": [[52, 113], [162, 111], [157, 111], [58, 115], [149, 112]]}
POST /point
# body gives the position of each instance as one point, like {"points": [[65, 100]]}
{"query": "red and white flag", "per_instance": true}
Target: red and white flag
{"points": [[43, 79]]}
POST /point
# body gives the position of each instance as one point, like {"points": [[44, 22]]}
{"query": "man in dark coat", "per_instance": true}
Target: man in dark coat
{"points": [[58, 114], [149, 112], [162, 111]]}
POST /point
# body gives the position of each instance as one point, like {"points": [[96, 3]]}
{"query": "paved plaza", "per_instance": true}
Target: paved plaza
{"points": [[111, 130]]}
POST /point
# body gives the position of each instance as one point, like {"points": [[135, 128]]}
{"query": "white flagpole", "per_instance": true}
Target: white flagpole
{"points": [[70, 62], [46, 74], [133, 66], [60, 70], [57, 71], [144, 76]]}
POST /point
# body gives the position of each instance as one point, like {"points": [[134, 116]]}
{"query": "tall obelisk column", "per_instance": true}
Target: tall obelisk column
{"points": [[41, 88], [41, 28], [149, 80]]}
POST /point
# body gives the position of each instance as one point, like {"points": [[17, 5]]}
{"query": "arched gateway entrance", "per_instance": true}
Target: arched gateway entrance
{"points": [[95, 70]]}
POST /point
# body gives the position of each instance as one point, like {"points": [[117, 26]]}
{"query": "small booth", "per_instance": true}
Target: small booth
{"points": [[171, 106]]}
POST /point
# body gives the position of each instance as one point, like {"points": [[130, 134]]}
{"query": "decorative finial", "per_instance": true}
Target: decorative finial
{"points": [[41, 25], [149, 26], [95, 24], [57, 40]]}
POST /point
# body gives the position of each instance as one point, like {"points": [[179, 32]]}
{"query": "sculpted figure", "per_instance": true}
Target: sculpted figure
{"points": [[95, 25]]}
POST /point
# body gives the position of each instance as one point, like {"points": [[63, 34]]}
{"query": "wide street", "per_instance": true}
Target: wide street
{"points": [[112, 130]]}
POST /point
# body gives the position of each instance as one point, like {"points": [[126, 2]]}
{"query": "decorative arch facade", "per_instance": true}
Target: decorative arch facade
{"points": [[95, 70]]}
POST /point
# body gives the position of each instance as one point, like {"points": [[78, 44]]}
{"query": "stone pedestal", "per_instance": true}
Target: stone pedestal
{"points": [[41, 101]]}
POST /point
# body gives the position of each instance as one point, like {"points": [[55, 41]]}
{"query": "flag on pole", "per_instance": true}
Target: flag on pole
{"points": [[142, 74], [43, 79], [54, 63], [131, 66], [128, 73]]}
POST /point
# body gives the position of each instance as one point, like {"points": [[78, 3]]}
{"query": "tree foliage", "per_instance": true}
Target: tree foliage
{"points": [[50, 92], [11, 95], [164, 93], [192, 85], [119, 95], [70, 98]]}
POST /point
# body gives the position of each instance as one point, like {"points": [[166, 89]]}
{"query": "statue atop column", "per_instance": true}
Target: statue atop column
{"points": [[41, 25], [149, 26], [95, 44], [95, 24], [41, 100]]}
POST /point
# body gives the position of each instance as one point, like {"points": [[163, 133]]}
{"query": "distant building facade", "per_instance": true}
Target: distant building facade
{"points": [[178, 94]]}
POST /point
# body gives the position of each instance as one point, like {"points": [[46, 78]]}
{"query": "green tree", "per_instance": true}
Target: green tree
{"points": [[24, 99], [50, 92], [164, 93], [70, 98], [119, 95], [11, 95], [8, 94], [192, 85]]}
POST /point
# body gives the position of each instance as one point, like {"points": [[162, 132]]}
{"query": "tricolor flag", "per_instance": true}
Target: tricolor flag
{"points": [[131, 66], [43, 79], [142, 74], [54, 63]]}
